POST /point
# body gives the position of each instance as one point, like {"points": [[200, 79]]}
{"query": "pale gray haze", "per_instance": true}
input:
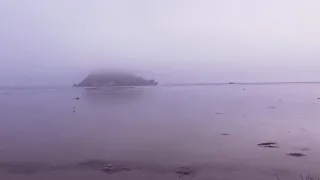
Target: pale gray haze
{"points": [[240, 128], [58, 42]]}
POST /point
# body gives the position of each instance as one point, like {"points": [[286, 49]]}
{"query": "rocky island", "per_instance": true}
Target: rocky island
{"points": [[114, 79]]}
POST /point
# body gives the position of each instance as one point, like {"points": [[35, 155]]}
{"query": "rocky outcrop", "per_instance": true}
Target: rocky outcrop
{"points": [[114, 79]]}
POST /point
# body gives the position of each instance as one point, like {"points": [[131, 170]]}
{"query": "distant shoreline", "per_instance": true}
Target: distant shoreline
{"points": [[164, 84], [241, 83]]}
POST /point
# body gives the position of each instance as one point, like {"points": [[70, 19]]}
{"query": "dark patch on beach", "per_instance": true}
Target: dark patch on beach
{"points": [[77, 98], [218, 113], [272, 107], [309, 177], [184, 171], [267, 144], [104, 166], [296, 154], [111, 169], [225, 134]]}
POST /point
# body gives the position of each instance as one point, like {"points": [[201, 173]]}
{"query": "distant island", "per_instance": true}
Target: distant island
{"points": [[114, 79]]}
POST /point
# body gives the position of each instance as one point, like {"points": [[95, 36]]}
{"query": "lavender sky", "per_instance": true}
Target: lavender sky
{"points": [[46, 42]]}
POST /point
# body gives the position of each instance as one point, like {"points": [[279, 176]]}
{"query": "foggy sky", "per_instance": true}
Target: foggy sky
{"points": [[60, 41]]}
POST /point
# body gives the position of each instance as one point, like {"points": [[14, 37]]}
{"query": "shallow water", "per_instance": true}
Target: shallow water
{"points": [[165, 125]]}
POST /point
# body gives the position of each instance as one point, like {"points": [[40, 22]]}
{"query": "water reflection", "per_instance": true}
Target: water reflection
{"points": [[112, 95]]}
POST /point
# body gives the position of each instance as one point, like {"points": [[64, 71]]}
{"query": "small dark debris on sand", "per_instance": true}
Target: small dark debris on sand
{"points": [[218, 113], [225, 134], [272, 107], [104, 166], [318, 98], [296, 154], [110, 168], [269, 145], [309, 177], [184, 171], [305, 149], [77, 98]]}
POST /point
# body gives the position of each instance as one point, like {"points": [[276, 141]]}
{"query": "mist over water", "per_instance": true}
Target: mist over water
{"points": [[180, 129], [59, 43]]}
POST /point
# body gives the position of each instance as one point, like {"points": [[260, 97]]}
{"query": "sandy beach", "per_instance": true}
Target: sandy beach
{"points": [[171, 132]]}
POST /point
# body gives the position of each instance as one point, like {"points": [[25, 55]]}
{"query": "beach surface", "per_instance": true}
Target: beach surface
{"points": [[165, 132]]}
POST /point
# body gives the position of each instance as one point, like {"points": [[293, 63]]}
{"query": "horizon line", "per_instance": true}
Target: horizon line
{"points": [[245, 83]]}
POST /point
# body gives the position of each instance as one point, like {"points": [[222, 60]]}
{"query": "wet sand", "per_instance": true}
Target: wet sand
{"points": [[134, 171], [212, 132]]}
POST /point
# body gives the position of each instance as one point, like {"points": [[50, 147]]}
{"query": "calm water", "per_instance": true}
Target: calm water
{"points": [[165, 125]]}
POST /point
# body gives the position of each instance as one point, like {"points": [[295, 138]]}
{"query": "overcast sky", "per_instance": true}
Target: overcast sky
{"points": [[60, 41]]}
